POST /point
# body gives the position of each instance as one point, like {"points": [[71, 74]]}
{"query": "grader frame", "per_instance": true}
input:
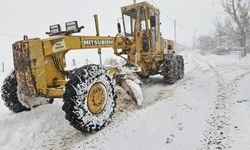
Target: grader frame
{"points": [[39, 64]]}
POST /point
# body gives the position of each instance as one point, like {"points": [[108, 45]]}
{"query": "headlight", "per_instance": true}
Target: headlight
{"points": [[73, 25], [55, 28]]}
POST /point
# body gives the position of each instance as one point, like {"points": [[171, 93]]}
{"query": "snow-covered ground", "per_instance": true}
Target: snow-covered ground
{"points": [[208, 109]]}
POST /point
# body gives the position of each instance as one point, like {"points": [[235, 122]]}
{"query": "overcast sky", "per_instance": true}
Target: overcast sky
{"points": [[32, 17]]}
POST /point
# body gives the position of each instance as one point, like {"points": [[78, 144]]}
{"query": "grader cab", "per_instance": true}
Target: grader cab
{"points": [[89, 92]]}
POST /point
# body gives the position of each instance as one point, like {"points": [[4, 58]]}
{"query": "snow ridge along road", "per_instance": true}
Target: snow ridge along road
{"points": [[203, 111], [219, 123]]}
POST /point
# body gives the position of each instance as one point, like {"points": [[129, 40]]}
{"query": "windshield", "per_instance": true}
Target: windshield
{"points": [[129, 22]]}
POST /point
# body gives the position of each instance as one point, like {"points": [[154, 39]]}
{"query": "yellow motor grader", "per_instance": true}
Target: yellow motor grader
{"points": [[88, 92]]}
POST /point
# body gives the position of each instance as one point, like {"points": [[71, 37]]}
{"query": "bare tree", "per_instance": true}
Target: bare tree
{"points": [[239, 12], [206, 44], [224, 34], [219, 28], [224, 28]]}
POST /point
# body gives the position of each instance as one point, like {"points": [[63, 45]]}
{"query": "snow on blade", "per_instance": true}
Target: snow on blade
{"points": [[136, 90]]}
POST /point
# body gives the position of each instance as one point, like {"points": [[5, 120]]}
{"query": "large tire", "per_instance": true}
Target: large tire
{"points": [[169, 71], [10, 96], [180, 66], [77, 100]]}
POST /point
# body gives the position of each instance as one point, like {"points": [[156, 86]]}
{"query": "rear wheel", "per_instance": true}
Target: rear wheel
{"points": [[169, 71], [180, 66], [15, 100], [10, 96], [89, 98]]}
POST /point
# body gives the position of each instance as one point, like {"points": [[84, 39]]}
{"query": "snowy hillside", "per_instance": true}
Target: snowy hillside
{"points": [[208, 109]]}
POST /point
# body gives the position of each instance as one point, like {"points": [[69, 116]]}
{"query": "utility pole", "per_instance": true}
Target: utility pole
{"points": [[98, 34], [2, 66], [194, 39], [175, 38]]}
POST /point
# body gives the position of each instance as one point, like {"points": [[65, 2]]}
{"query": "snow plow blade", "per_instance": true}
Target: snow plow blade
{"points": [[132, 85], [134, 91]]}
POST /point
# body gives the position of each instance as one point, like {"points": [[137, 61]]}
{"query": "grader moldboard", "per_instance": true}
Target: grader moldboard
{"points": [[89, 92]]}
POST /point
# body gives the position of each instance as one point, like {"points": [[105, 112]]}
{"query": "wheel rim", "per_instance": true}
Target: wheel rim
{"points": [[97, 98]]}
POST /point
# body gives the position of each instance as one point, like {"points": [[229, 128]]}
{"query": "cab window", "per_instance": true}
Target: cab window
{"points": [[129, 22]]}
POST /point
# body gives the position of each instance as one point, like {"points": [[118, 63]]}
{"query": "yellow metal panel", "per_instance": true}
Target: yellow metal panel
{"points": [[47, 47], [60, 82], [37, 65], [65, 43], [52, 73], [73, 42], [55, 92]]}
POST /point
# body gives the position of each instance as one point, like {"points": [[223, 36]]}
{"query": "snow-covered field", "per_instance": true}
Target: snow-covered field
{"points": [[208, 109]]}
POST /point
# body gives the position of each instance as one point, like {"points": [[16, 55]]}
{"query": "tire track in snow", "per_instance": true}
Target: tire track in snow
{"points": [[217, 134], [167, 91]]}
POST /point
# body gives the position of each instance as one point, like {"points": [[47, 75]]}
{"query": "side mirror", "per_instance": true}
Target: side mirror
{"points": [[119, 27]]}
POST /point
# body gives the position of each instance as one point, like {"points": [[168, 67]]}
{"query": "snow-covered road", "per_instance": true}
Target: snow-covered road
{"points": [[208, 109]]}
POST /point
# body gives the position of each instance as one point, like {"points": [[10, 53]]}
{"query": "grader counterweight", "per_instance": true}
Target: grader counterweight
{"points": [[89, 92]]}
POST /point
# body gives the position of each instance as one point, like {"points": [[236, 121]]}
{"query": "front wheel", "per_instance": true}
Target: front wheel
{"points": [[89, 98]]}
